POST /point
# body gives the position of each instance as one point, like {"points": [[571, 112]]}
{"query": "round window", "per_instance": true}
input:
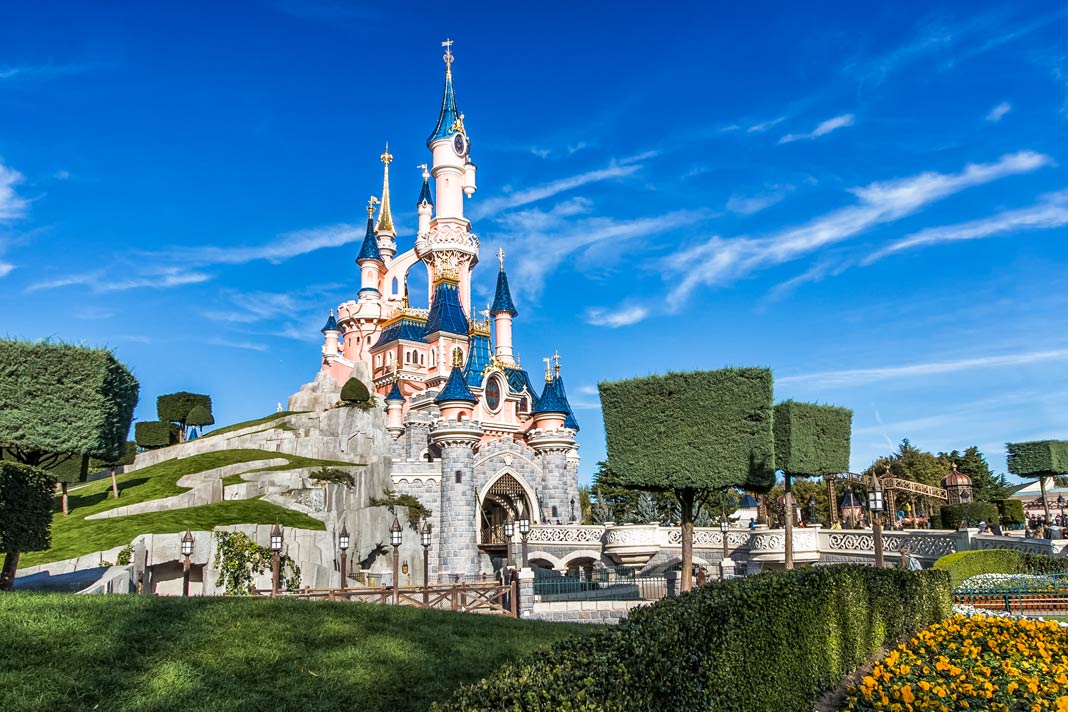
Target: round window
{"points": [[493, 394]]}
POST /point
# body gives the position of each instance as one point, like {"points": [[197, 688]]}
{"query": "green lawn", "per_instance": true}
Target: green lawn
{"points": [[74, 535], [247, 423], [126, 653]]}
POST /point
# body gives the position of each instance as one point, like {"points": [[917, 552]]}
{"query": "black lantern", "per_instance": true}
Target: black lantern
{"points": [[187, 544], [524, 526], [276, 538], [343, 538], [424, 533], [509, 530], [395, 532]]}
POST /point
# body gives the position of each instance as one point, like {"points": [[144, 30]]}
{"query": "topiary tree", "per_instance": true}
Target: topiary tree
{"points": [[1041, 459], [199, 416], [971, 513], [1011, 511], [154, 434], [67, 472], [810, 441], [176, 408], [25, 515], [113, 465], [692, 434], [61, 402], [354, 391]]}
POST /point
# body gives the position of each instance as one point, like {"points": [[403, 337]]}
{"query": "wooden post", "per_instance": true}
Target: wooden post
{"points": [[514, 599], [114, 483]]}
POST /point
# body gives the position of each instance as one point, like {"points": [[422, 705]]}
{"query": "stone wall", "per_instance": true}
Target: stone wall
{"points": [[604, 612]]}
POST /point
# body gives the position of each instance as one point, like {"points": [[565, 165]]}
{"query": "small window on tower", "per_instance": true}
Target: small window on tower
{"points": [[459, 477], [555, 514]]}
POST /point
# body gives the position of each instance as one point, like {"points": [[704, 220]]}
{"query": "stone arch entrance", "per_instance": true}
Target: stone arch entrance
{"points": [[506, 498]]}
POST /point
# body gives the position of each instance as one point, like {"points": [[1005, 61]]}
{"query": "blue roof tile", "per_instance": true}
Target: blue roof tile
{"points": [[455, 389], [518, 379], [449, 113], [331, 323], [477, 359], [394, 394], [424, 194], [552, 400], [569, 421], [369, 248], [446, 313], [405, 328]]}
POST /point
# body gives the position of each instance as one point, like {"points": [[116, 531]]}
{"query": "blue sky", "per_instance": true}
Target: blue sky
{"points": [[870, 200]]}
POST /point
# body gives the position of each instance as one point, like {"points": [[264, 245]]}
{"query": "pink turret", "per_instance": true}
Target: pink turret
{"points": [[503, 311]]}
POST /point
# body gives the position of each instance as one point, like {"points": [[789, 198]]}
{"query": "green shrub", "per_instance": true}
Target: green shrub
{"points": [[354, 391], [812, 439], [26, 495], [175, 407], [972, 513], [766, 643], [1039, 457], [1011, 511], [200, 415], [965, 564], [155, 433]]}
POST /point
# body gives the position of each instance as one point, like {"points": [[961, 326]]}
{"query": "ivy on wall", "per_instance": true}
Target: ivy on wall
{"points": [[240, 560]]}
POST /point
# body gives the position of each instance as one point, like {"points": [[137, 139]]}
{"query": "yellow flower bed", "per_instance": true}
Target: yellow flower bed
{"points": [[978, 663]]}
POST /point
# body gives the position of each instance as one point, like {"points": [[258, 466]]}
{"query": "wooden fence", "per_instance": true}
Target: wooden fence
{"points": [[489, 597]]}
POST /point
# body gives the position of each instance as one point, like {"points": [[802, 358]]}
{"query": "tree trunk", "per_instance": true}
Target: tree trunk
{"points": [[7, 574], [63, 486], [114, 483], [1045, 501], [686, 498], [788, 499]]}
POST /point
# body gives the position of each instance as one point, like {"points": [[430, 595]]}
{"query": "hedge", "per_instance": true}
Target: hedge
{"points": [[953, 515], [1011, 511], [354, 391], [155, 433], [26, 495], [705, 429], [965, 564], [773, 642], [1038, 457], [199, 415], [812, 439], [176, 407], [57, 398]]}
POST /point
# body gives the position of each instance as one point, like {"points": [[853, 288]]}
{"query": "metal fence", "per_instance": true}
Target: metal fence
{"points": [[1049, 596], [635, 588]]}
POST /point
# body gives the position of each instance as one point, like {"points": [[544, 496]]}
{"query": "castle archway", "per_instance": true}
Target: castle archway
{"points": [[506, 497]]}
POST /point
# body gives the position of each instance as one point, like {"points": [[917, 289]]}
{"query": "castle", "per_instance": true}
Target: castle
{"points": [[473, 438]]}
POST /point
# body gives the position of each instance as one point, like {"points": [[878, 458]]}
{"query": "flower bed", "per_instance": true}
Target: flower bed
{"points": [[1015, 583], [977, 663]]}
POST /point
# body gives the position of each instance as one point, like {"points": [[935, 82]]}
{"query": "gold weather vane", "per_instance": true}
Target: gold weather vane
{"points": [[386, 157], [457, 357], [371, 203], [548, 369], [556, 363], [447, 44], [500, 257]]}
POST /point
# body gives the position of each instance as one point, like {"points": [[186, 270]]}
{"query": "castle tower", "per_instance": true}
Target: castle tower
{"points": [[395, 411], [370, 258], [385, 235], [449, 245], [553, 443], [330, 334], [425, 204], [503, 311]]}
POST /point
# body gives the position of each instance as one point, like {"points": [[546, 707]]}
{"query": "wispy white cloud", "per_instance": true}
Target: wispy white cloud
{"points": [[615, 318], [617, 169], [825, 127], [106, 281], [859, 376], [765, 125], [252, 307], [282, 248], [816, 273], [1050, 212], [234, 344], [751, 204], [12, 205], [998, 112], [5, 268], [36, 71], [719, 260]]}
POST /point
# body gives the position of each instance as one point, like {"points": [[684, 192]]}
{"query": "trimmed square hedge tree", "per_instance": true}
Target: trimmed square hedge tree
{"points": [[812, 440], [692, 434], [1040, 459], [57, 399]]}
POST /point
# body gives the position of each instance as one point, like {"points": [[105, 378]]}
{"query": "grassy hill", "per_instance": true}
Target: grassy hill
{"points": [[75, 535], [125, 653]]}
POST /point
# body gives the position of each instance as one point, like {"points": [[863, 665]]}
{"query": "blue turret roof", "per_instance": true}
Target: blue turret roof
{"points": [[502, 300], [455, 389], [518, 379], [394, 394], [552, 400], [449, 112], [405, 328], [446, 313], [424, 194], [477, 359], [369, 248], [331, 323]]}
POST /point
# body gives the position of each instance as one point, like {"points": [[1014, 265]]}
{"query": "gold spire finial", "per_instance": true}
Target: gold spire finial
{"points": [[385, 215], [556, 363], [548, 369], [457, 357], [447, 44], [500, 257], [371, 203], [396, 367], [426, 174]]}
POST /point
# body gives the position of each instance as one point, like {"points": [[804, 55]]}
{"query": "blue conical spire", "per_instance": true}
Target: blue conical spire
{"points": [[331, 323], [424, 193], [502, 299], [449, 120], [394, 394], [369, 248], [456, 388]]}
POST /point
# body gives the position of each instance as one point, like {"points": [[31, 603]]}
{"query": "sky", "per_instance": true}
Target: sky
{"points": [[871, 200]]}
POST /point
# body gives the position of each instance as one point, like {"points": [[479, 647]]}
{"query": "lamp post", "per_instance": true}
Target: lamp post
{"points": [[395, 541], [343, 544], [875, 506], [187, 551], [572, 510], [509, 532], [1060, 503], [276, 557], [724, 527], [524, 529], [424, 539]]}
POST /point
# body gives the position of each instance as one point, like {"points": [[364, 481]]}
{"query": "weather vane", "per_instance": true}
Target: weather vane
{"points": [[425, 174], [500, 257], [371, 203], [447, 44]]}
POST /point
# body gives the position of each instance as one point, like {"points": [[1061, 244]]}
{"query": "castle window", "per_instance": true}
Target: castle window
{"points": [[555, 513], [394, 290], [459, 477], [378, 360]]}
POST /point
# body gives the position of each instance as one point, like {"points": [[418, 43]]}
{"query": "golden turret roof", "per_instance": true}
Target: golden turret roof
{"points": [[385, 215]]}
